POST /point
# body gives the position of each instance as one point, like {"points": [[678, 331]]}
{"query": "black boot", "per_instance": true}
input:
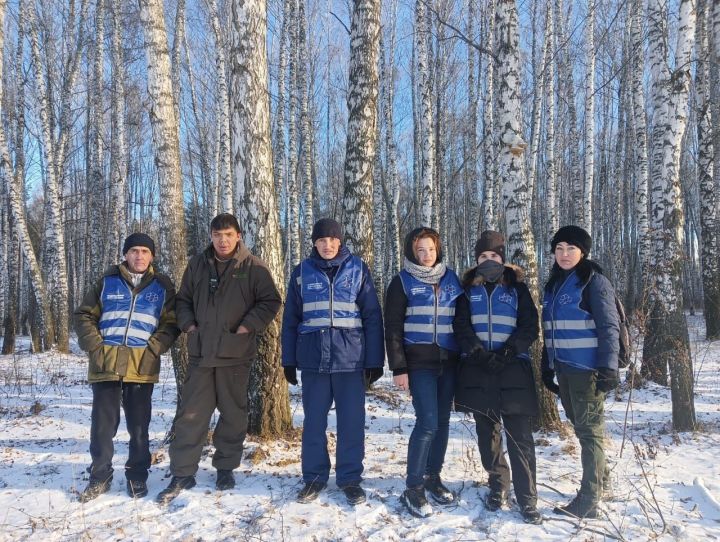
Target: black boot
{"points": [[580, 507], [439, 493], [531, 515], [495, 500], [137, 489], [94, 489], [354, 494], [225, 480], [177, 484], [414, 499], [310, 492]]}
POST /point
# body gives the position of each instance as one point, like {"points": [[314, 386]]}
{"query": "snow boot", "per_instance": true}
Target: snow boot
{"points": [[439, 493], [225, 480], [414, 500], [137, 489], [531, 515], [581, 507], [177, 484], [354, 494], [310, 492], [495, 500], [94, 489]]}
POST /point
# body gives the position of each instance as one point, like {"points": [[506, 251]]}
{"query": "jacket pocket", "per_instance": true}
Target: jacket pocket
{"points": [[107, 358], [194, 344], [149, 363], [234, 346]]}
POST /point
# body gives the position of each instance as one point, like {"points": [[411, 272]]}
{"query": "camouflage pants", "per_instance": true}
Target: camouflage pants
{"points": [[585, 410]]}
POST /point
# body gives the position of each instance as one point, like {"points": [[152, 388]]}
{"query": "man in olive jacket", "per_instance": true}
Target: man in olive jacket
{"points": [[227, 297], [125, 322]]}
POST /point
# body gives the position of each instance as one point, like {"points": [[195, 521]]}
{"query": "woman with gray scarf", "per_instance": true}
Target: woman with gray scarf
{"points": [[422, 353]]}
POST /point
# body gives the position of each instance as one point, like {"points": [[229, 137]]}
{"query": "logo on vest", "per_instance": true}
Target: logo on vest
{"points": [[347, 282], [450, 289], [564, 299], [314, 286], [418, 290], [116, 296], [506, 298], [151, 297], [477, 297]]}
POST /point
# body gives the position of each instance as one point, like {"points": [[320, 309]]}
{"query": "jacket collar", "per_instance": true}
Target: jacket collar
{"points": [[241, 253]]}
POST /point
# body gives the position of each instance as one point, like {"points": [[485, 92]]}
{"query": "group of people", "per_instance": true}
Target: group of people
{"points": [[448, 340]]}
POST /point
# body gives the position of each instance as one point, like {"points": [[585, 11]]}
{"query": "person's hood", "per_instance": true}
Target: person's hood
{"points": [[409, 246]]}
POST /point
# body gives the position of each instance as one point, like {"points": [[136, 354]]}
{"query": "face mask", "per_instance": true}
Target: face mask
{"points": [[491, 270]]}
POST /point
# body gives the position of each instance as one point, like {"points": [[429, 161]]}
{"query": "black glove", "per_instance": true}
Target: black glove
{"points": [[548, 378], [291, 375], [372, 375], [607, 380], [495, 363]]}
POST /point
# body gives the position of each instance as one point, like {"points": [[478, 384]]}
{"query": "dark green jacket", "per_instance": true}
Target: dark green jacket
{"points": [[245, 294], [124, 362]]}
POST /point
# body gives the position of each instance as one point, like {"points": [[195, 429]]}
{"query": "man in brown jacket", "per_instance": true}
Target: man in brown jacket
{"points": [[227, 297], [125, 322]]}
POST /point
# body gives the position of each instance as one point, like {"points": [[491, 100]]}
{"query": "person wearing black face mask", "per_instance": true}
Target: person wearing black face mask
{"points": [[495, 323]]}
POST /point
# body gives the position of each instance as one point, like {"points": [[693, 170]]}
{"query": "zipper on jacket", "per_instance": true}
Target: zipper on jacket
{"points": [[490, 318], [332, 295], [127, 326], [435, 293]]}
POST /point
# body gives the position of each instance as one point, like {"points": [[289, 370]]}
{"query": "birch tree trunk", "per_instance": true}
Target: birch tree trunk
{"points": [[166, 151], [472, 199], [308, 187], [293, 196], [553, 222], [666, 338], [424, 128], [587, 215], [490, 182], [250, 140], [55, 264], [361, 132], [118, 145], [520, 245], [708, 190]]}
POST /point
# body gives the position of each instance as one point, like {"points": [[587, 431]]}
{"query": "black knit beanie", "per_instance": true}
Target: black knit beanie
{"points": [[139, 240], [326, 227], [573, 235], [490, 240]]}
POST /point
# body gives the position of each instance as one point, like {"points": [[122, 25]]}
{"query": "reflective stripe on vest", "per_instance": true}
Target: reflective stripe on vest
{"points": [[428, 318], [126, 319], [330, 304], [494, 317], [569, 331]]}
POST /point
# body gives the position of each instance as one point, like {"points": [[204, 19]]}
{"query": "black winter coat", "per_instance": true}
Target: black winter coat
{"points": [[512, 390]]}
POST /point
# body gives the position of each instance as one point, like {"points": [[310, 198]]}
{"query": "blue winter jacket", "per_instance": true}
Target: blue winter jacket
{"points": [[333, 349], [580, 306]]}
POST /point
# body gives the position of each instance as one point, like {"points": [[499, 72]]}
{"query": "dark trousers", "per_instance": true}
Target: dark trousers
{"points": [[136, 401], [585, 410], [432, 393], [521, 449], [205, 389], [319, 390]]}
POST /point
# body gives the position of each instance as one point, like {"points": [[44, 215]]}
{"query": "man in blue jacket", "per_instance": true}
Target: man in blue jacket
{"points": [[333, 332]]}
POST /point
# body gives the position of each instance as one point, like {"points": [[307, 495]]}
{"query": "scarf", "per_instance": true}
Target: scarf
{"points": [[428, 275], [491, 270]]}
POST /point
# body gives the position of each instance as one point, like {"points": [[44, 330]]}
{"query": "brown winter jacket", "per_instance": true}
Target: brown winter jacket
{"points": [[110, 363], [245, 295]]}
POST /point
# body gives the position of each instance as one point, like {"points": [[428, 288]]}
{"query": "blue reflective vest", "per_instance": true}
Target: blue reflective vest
{"points": [[494, 317], [569, 331], [329, 304], [429, 317], [127, 319]]}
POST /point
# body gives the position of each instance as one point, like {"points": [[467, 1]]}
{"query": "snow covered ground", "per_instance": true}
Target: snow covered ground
{"points": [[667, 485]]}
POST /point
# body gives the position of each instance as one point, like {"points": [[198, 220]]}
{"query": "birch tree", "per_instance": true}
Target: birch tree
{"points": [[308, 187], [520, 240], [589, 134], [424, 127], [361, 133], [166, 152], [666, 337], [250, 139]]}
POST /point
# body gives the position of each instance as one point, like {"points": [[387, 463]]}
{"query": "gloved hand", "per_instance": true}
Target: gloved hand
{"points": [[607, 380], [495, 363], [372, 375], [548, 378], [291, 375], [508, 352]]}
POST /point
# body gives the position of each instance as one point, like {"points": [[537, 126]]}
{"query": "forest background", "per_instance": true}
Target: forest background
{"points": [[464, 115]]}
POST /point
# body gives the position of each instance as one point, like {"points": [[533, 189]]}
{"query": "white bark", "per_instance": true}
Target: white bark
{"points": [[118, 148], [425, 114], [553, 221], [98, 234], [293, 200], [361, 133], [587, 216], [489, 147], [166, 142], [308, 186]]}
